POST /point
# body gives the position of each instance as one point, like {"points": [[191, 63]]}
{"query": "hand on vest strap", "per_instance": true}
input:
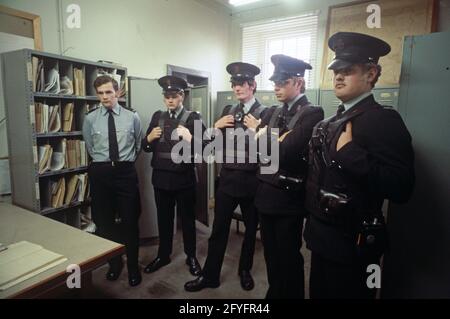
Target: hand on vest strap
{"points": [[225, 121], [184, 133], [346, 137], [154, 134], [251, 122]]}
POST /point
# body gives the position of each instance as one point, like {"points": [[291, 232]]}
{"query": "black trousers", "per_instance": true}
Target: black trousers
{"points": [[165, 204], [217, 243], [282, 240], [115, 195], [332, 280]]}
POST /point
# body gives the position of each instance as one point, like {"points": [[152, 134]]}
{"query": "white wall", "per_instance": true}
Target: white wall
{"points": [[143, 35], [287, 8]]}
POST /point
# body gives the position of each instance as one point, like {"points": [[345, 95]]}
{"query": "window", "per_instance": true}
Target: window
{"points": [[295, 36]]}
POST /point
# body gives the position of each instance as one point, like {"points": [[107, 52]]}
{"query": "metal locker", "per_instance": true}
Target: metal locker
{"points": [[418, 262]]}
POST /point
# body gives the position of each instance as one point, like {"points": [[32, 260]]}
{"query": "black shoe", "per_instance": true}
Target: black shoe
{"points": [[194, 267], [156, 264], [114, 272], [200, 283], [247, 282], [134, 278]]}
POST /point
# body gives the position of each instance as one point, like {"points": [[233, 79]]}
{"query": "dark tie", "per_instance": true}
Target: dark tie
{"points": [[172, 114], [112, 137], [285, 109], [340, 110]]}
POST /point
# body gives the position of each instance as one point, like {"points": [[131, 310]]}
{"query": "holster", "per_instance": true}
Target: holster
{"points": [[372, 238]]}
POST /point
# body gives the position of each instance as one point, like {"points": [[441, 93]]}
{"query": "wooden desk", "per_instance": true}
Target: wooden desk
{"points": [[81, 248]]}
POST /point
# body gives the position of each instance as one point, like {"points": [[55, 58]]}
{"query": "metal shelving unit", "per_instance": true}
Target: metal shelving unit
{"points": [[27, 184]]}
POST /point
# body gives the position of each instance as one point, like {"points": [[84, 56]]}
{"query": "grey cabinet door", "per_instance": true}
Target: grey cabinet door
{"points": [[146, 98], [418, 263]]}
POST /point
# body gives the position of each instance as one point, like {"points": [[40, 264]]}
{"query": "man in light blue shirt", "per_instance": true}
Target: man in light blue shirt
{"points": [[113, 138]]}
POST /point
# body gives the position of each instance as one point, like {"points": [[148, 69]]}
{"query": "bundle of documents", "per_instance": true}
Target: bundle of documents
{"points": [[76, 155], [54, 122], [67, 117], [47, 118], [41, 117], [72, 188], [79, 82], [37, 66], [52, 84], [66, 85], [23, 260], [45, 157], [58, 191], [58, 161]]}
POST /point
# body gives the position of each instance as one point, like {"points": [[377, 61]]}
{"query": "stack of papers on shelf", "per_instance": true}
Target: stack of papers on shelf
{"points": [[52, 84], [72, 189], [58, 189], [68, 117], [41, 117], [54, 122], [24, 260], [58, 161], [45, 153], [79, 82], [66, 86], [38, 74]]}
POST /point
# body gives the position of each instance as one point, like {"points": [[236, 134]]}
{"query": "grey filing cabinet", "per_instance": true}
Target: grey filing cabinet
{"points": [[418, 262], [30, 189]]}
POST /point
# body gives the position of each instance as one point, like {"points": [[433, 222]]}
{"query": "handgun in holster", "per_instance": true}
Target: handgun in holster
{"points": [[372, 238], [333, 204], [290, 183]]}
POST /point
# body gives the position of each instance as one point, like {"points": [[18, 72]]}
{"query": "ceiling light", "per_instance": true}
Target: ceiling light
{"points": [[241, 2]]}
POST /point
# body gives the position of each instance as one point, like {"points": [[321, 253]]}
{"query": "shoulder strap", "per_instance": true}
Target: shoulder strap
{"points": [[96, 107], [232, 109], [297, 116], [275, 115], [185, 117], [162, 119], [257, 112]]}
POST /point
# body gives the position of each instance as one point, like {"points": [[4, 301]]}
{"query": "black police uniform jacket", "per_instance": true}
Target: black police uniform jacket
{"points": [[377, 164], [239, 179], [270, 198], [168, 175]]}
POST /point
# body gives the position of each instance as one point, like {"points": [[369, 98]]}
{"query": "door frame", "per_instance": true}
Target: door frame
{"points": [[33, 18]]}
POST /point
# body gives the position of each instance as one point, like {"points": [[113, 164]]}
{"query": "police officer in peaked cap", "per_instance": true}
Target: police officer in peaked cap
{"points": [[358, 158]]}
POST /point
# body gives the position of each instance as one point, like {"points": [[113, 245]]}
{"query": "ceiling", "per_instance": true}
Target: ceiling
{"points": [[258, 4]]}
